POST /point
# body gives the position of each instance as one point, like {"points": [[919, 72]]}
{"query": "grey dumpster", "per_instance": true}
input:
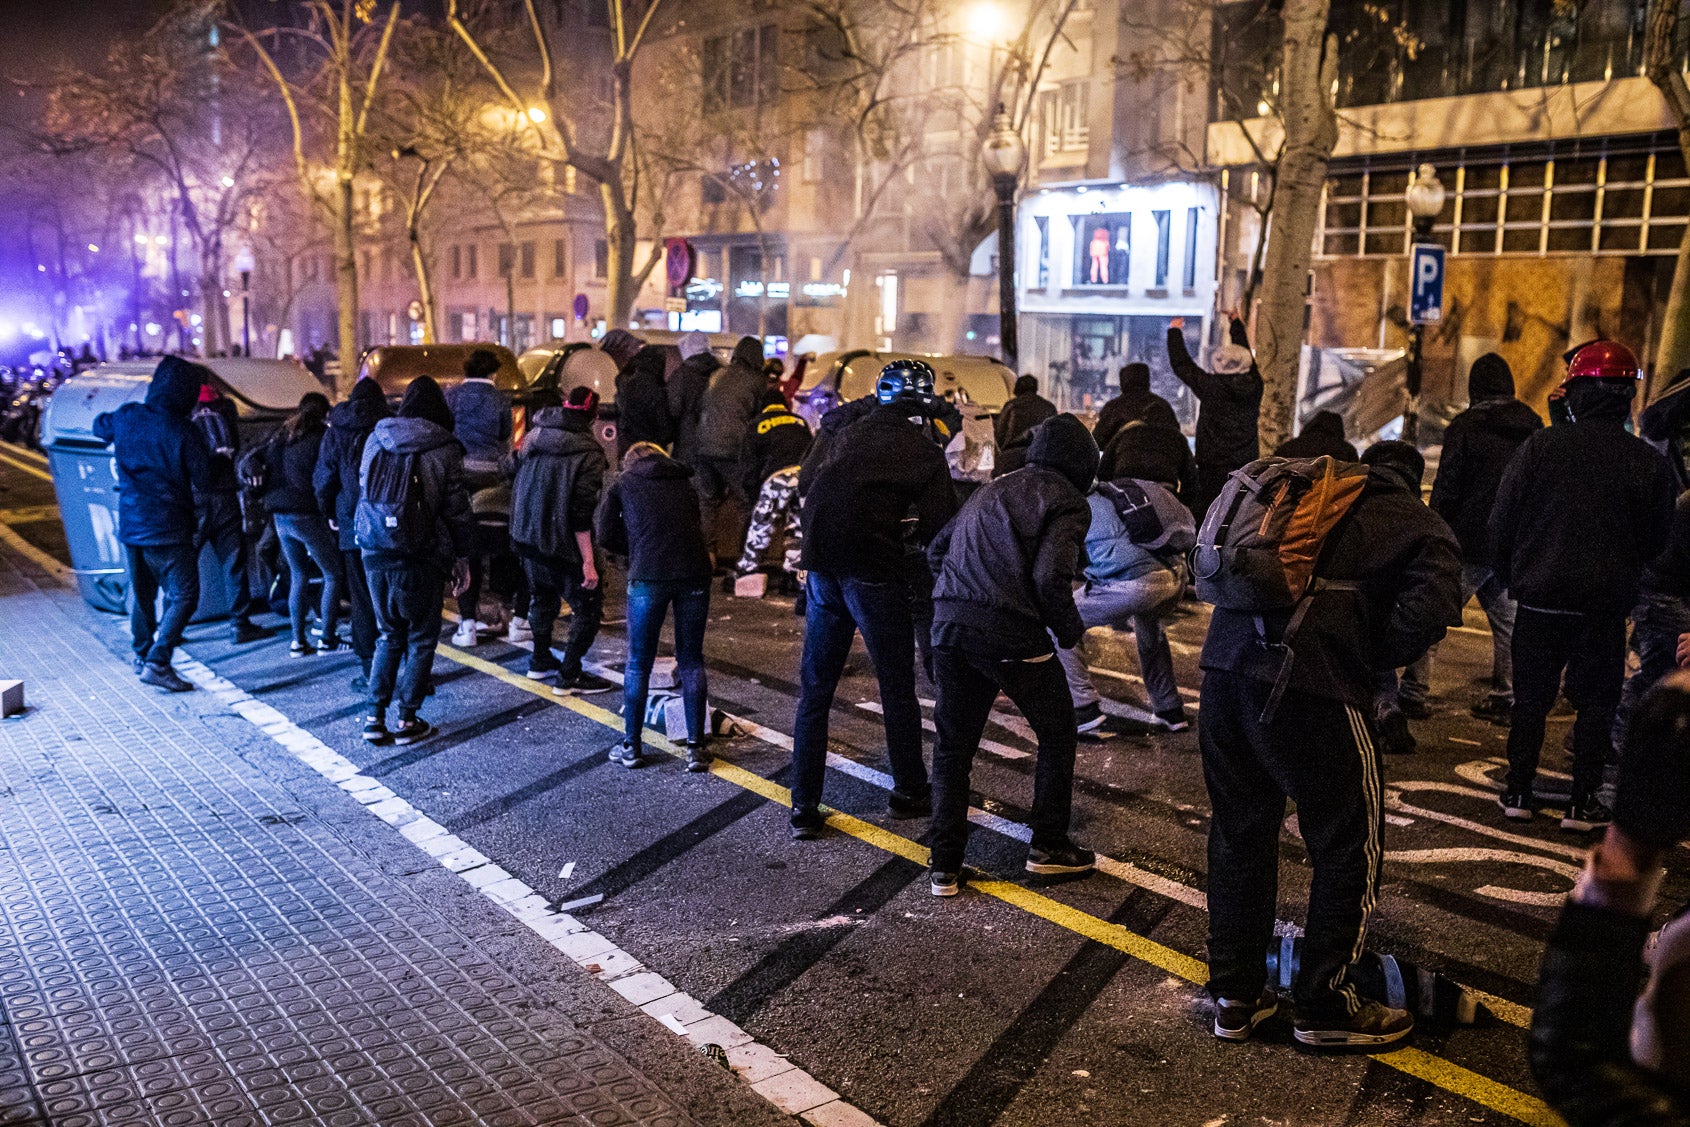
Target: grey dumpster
{"points": [[85, 473]]}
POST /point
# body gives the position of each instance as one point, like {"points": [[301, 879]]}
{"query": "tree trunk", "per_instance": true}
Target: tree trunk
{"points": [[425, 287], [1311, 130], [621, 288], [346, 285]]}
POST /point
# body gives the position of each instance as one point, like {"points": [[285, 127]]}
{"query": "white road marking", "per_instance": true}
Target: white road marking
{"points": [[1468, 856], [1002, 751], [592, 951]]}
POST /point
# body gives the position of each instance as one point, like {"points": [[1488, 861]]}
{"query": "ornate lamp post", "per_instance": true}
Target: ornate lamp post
{"points": [[1425, 197], [1005, 156]]}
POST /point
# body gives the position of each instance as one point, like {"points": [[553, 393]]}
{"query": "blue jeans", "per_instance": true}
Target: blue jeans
{"points": [[836, 608], [1476, 579], [1656, 623], [648, 605], [307, 539]]}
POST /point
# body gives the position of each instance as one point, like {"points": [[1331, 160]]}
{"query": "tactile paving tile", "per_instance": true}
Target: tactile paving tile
{"points": [[178, 946]]}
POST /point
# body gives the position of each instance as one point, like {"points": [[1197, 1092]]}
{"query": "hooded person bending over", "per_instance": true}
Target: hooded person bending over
{"points": [[1322, 434], [163, 464]]}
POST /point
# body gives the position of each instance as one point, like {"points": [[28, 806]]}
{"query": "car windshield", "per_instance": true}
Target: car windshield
{"points": [[533, 362]]}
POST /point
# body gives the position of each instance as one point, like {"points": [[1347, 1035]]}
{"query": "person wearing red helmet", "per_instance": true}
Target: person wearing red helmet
{"points": [[1581, 510]]}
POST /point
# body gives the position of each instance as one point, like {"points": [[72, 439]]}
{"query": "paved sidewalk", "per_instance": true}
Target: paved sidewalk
{"points": [[186, 939]]}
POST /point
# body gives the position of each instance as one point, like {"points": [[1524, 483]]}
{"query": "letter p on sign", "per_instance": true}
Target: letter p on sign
{"points": [[1426, 284]]}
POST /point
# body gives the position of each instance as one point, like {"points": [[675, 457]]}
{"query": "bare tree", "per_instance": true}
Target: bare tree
{"points": [[1663, 55], [608, 156], [333, 96], [1308, 70]]}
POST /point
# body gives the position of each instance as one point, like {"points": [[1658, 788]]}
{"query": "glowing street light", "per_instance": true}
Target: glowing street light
{"points": [[228, 181], [987, 22], [93, 248], [160, 240], [536, 114]]}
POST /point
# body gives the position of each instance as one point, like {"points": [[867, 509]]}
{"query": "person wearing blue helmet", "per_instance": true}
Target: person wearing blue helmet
{"points": [[880, 473]]}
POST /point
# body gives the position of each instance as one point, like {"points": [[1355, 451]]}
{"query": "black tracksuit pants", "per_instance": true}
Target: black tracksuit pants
{"points": [[550, 584], [967, 686], [363, 617], [1319, 753], [1590, 648]]}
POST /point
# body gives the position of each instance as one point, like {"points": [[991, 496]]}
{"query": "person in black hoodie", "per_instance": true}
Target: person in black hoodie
{"points": [[878, 472], [650, 516], [559, 474], [642, 402], [1322, 434], [1478, 445], [335, 482], [1157, 449], [1581, 510], [1005, 571], [1025, 410], [285, 468], [1136, 403], [415, 527], [162, 462], [1392, 585], [730, 403], [1230, 403], [225, 528], [686, 387], [775, 444]]}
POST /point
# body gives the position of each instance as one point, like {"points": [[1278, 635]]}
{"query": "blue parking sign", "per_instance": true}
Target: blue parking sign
{"points": [[1426, 284]]}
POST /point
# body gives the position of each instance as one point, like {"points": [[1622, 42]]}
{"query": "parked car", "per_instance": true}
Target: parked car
{"points": [[394, 366], [833, 378]]}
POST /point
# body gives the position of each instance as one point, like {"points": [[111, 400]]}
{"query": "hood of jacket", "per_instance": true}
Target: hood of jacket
{"points": [[620, 345], [1233, 360], [1490, 378], [748, 353], [1065, 445], [411, 436], [1508, 417], [1327, 424], [1135, 379], [176, 386], [1594, 401], [647, 363], [1395, 463], [556, 431], [364, 408], [656, 467], [692, 343]]}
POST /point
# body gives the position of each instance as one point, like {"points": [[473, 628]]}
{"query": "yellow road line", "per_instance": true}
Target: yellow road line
{"points": [[23, 452], [1418, 1063], [34, 471]]}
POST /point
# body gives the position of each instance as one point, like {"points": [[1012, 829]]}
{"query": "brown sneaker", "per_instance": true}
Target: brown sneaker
{"points": [[1236, 1020], [1372, 1024]]}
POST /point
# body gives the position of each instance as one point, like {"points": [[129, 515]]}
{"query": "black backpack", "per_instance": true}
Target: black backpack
{"points": [[392, 514]]}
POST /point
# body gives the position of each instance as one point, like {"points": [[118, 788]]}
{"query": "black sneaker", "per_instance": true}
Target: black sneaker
{"points": [[698, 759], [943, 884], [1089, 717], [412, 730], [243, 632], [1494, 710], [1060, 859], [1174, 719], [1236, 1020], [902, 805], [625, 754], [1372, 1024], [807, 825], [1394, 736], [1414, 709], [375, 731], [582, 682], [1519, 807], [1586, 814], [164, 677]]}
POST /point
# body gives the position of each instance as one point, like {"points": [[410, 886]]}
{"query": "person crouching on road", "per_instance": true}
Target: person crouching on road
{"points": [[335, 482], [1005, 571], [775, 444], [1392, 570], [162, 461], [878, 471], [650, 515], [559, 476], [225, 531], [415, 528]]}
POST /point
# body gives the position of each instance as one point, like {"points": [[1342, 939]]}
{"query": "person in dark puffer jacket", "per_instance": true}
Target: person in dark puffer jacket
{"points": [[1581, 510], [481, 415], [642, 401], [730, 403], [650, 516], [1004, 583], [335, 482], [559, 474], [1136, 403], [405, 587], [686, 389], [1478, 445], [1025, 410], [285, 468], [161, 459], [1157, 448], [1322, 434]]}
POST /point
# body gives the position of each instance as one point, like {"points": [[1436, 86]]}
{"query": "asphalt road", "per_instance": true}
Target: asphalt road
{"points": [[1015, 1003]]}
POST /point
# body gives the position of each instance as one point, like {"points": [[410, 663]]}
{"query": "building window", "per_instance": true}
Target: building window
{"points": [[457, 262], [601, 258], [711, 189], [527, 260], [1063, 124], [473, 266], [1102, 249], [741, 70], [507, 259], [560, 259], [1164, 240], [1190, 281], [1624, 195]]}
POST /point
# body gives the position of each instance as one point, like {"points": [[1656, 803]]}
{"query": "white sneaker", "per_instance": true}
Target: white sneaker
{"points": [[519, 631], [465, 634]]}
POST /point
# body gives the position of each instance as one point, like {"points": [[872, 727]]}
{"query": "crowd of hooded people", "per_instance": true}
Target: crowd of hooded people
{"points": [[1312, 665]]}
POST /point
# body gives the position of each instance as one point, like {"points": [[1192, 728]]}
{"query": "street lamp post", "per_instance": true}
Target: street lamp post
{"points": [[1425, 196], [1005, 156], [244, 263]]}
